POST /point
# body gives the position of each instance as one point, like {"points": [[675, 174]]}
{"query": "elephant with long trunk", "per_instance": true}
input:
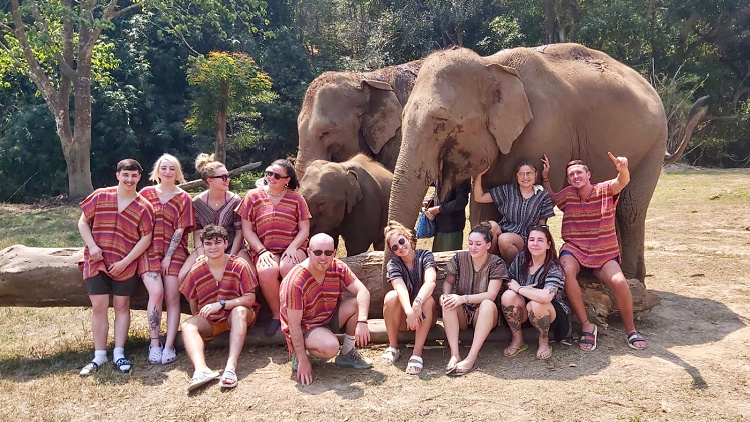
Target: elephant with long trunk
{"points": [[564, 100], [346, 113]]}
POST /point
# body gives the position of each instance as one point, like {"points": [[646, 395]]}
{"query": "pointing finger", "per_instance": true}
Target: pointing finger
{"points": [[613, 158]]}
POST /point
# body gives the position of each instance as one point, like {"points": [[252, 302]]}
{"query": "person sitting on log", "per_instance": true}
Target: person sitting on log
{"points": [[215, 206], [588, 229], [409, 306], [174, 218], [536, 293], [275, 223], [221, 292], [313, 310], [116, 224], [472, 282]]}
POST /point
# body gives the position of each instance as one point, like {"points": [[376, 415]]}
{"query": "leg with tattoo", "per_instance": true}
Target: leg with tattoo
{"points": [[541, 316]]}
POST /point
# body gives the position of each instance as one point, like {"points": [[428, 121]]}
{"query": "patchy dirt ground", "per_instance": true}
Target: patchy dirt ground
{"points": [[697, 366]]}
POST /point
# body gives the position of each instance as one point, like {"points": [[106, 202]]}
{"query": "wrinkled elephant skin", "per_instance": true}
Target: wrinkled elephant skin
{"points": [[563, 100], [348, 199]]}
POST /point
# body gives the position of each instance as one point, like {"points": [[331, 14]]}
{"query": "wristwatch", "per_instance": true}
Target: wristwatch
{"points": [[223, 303]]}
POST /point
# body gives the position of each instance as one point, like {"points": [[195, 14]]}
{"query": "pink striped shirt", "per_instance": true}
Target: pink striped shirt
{"points": [[177, 213], [317, 301], [276, 226], [237, 280], [115, 233], [588, 226]]}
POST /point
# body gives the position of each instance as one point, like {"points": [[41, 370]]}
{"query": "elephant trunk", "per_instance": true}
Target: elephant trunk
{"points": [[306, 154]]}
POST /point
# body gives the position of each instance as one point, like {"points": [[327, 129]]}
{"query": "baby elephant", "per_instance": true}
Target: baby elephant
{"points": [[348, 199]]}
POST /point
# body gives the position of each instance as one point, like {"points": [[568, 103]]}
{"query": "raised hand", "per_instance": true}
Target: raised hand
{"points": [[619, 162], [545, 167]]}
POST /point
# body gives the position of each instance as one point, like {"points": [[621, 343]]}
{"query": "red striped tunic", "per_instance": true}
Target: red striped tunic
{"points": [[177, 213], [276, 226], [115, 233], [237, 280], [317, 301], [588, 226]]}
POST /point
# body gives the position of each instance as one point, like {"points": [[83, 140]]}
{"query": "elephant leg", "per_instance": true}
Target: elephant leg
{"points": [[631, 213]]}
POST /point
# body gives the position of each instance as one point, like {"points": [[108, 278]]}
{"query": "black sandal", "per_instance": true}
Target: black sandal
{"points": [[123, 362]]}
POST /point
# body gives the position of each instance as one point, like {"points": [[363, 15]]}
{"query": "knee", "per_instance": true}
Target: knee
{"points": [[330, 347], [269, 275], [428, 306], [99, 308], [188, 328], [240, 313], [619, 284], [390, 302], [487, 306], [508, 297]]}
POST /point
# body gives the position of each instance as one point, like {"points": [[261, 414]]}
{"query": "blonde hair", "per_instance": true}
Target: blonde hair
{"points": [[154, 175], [207, 165], [395, 228]]}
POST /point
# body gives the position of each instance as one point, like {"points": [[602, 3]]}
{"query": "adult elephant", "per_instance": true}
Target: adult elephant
{"points": [[563, 100], [348, 199], [345, 113]]}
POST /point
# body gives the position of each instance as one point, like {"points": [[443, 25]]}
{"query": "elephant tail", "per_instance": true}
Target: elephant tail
{"points": [[696, 115]]}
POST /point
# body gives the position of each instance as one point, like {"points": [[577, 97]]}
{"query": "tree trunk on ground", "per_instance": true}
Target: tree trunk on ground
{"points": [[50, 277]]}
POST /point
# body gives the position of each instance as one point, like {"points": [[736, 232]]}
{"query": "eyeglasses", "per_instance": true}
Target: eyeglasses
{"points": [[319, 252], [395, 247], [223, 177], [277, 176], [526, 173]]}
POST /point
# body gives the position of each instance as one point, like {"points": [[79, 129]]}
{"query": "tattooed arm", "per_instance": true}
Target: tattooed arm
{"points": [[173, 244]]}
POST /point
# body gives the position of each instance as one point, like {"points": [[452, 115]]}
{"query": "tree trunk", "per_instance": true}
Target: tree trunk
{"points": [[549, 21], [220, 150], [50, 277]]}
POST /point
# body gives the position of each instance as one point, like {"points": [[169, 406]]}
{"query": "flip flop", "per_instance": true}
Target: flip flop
{"points": [[585, 340], [634, 337], [416, 363], [390, 355], [516, 352], [200, 379], [459, 372], [450, 368], [549, 350], [228, 379]]}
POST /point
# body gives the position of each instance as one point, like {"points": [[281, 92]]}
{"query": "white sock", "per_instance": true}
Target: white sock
{"points": [[348, 344], [100, 357]]}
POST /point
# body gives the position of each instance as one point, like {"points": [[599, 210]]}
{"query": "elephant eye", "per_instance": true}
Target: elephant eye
{"points": [[321, 205], [325, 133]]}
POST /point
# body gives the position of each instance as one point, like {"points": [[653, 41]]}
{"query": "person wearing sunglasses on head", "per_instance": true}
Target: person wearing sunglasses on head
{"points": [[313, 310], [536, 293], [409, 306], [275, 224], [215, 206], [522, 204]]}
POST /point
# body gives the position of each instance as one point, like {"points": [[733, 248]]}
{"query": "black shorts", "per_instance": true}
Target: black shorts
{"points": [[334, 325], [102, 284], [560, 328]]}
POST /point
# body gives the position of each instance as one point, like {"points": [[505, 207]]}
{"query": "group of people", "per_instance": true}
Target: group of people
{"points": [[241, 244]]}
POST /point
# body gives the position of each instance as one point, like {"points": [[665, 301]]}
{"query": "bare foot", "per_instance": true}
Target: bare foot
{"points": [[544, 352]]}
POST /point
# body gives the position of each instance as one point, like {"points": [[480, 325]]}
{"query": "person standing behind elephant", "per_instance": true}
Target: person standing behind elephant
{"points": [[472, 282], [588, 229], [536, 294], [522, 204], [215, 206], [275, 223], [173, 219], [409, 306], [450, 218]]}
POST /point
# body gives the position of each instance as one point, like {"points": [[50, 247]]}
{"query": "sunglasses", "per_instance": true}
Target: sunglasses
{"points": [[395, 247], [277, 176], [537, 227], [319, 252], [223, 177], [525, 173]]}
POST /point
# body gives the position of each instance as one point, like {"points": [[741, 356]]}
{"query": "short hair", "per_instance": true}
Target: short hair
{"points": [[154, 175], [288, 166], [485, 229], [394, 228], [129, 164], [207, 165], [576, 163], [212, 231]]}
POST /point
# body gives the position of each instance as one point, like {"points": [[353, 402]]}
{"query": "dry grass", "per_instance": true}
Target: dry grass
{"points": [[697, 366]]}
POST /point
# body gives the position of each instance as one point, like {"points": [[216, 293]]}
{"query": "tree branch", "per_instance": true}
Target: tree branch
{"points": [[735, 117]]}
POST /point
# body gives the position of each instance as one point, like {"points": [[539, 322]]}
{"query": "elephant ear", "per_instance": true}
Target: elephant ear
{"points": [[508, 109], [382, 115], [354, 193]]}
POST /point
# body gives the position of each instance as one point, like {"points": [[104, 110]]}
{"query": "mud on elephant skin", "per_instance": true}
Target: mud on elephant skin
{"points": [[346, 113], [348, 199], [564, 100]]}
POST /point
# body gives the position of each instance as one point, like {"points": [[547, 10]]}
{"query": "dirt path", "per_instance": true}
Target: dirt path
{"points": [[697, 366]]}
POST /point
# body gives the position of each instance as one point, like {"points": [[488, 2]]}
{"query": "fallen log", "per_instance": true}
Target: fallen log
{"points": [[234, 172], [43, 277]]}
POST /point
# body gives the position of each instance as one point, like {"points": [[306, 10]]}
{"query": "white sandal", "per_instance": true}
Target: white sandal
{"points": [[415, 362], [390, 355]]}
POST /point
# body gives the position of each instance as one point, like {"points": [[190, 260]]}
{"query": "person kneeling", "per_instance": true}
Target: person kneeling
{"points": [[221, 291], [313, 310], [536, 293]]}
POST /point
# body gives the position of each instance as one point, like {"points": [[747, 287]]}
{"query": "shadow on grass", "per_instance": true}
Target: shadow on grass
{"points": [[678, 321]]}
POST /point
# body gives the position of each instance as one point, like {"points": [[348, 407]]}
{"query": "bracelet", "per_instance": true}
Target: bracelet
{"points": [[418, 300], [466, 298], [262, 251], [518, 290], [365, 321], [545, 180]]}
